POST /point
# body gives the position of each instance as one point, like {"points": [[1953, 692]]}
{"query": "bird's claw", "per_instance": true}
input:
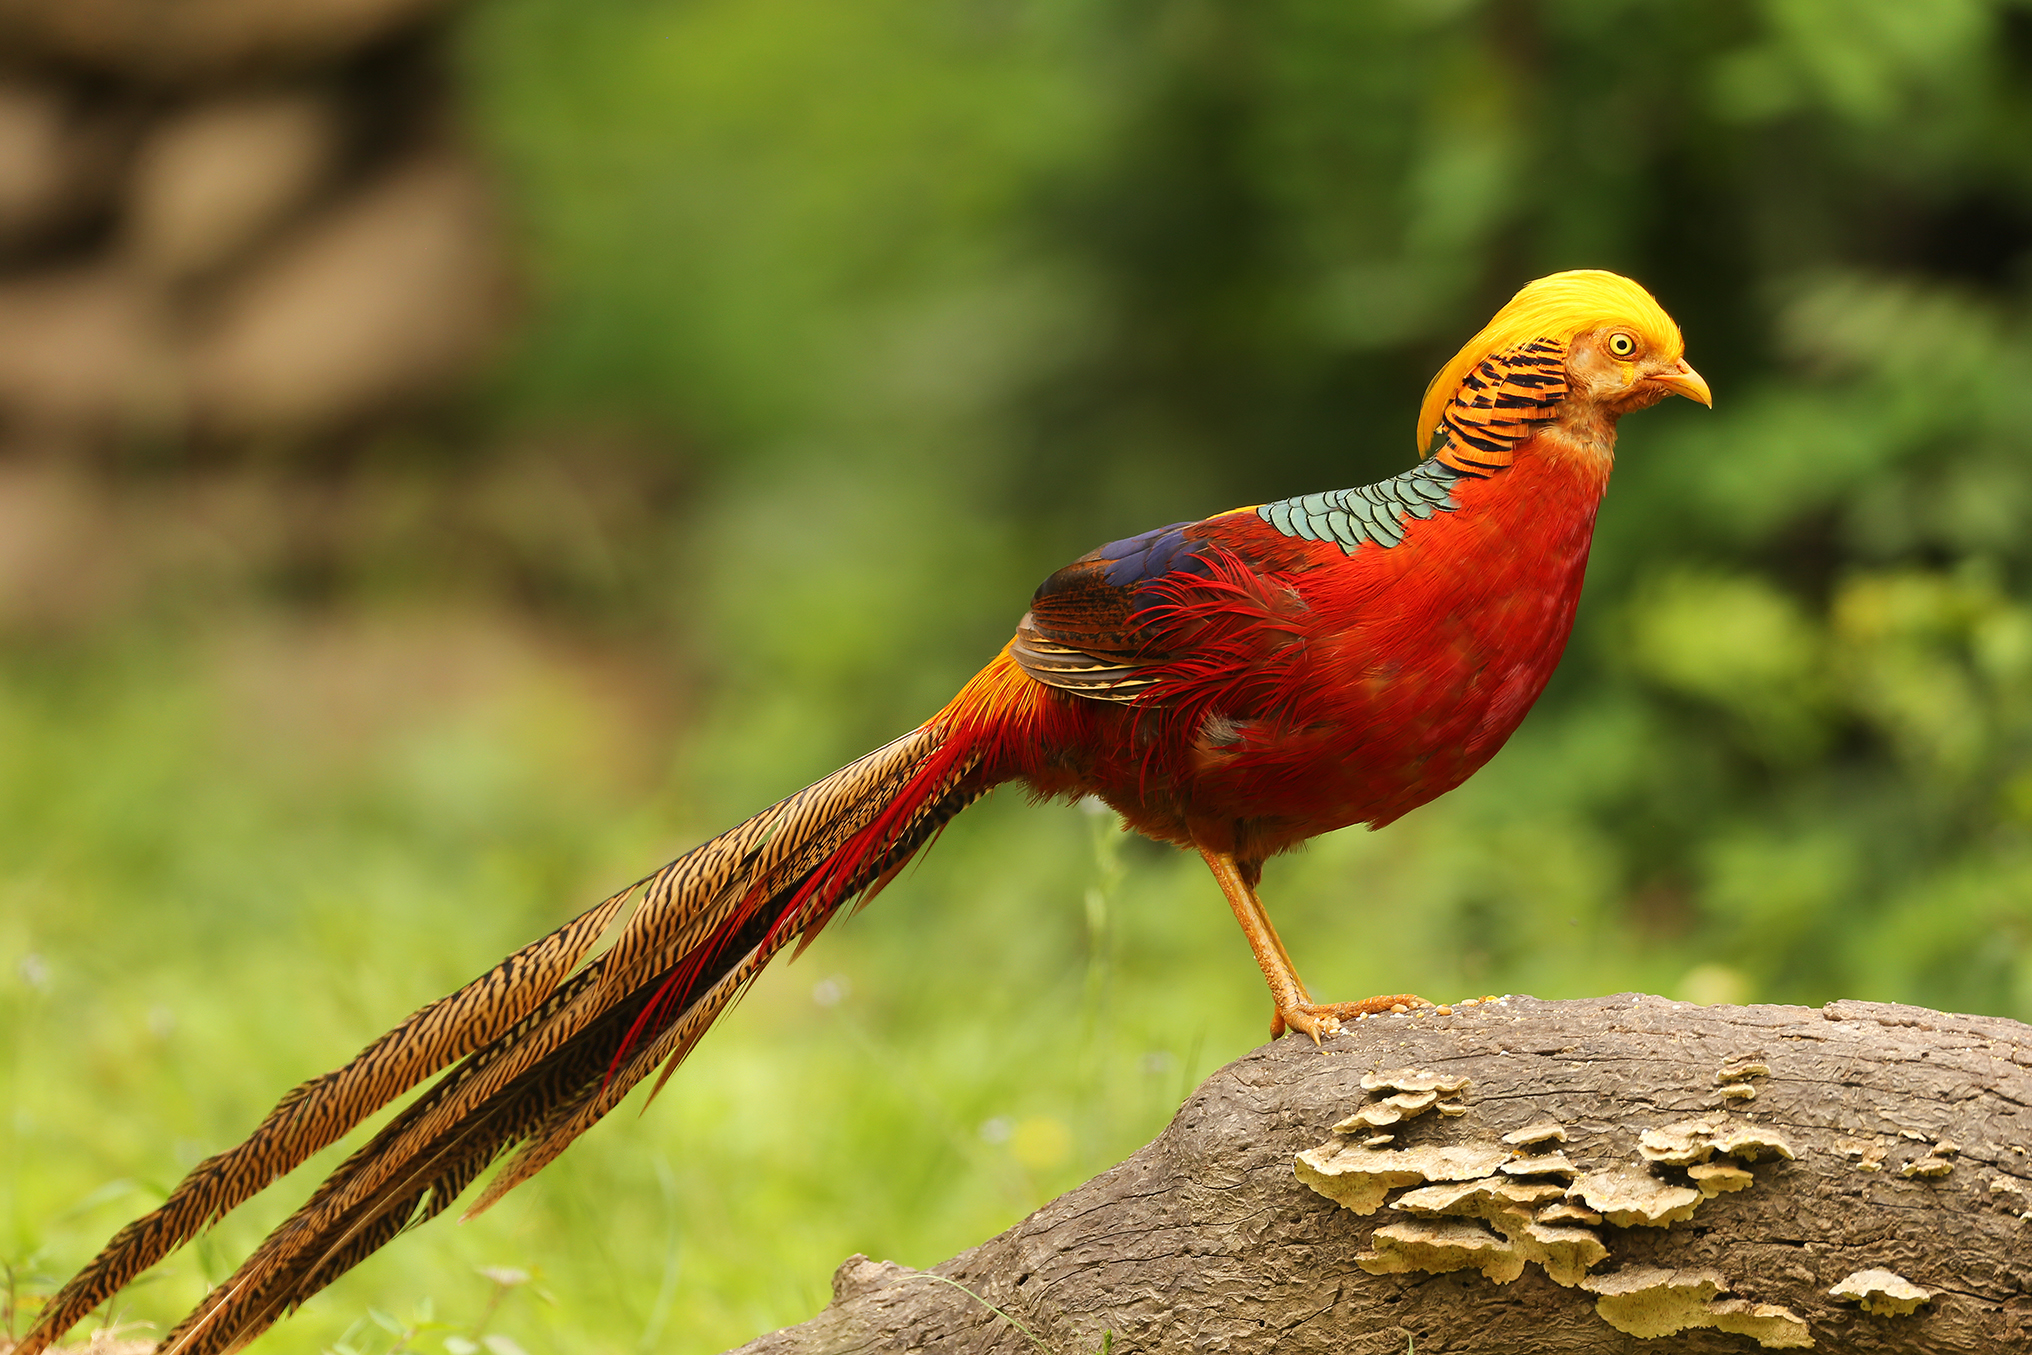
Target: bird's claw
{"points": [[1322, 1019]]}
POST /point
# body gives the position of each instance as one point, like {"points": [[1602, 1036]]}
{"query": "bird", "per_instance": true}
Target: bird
{"points": [[1234, 685]]}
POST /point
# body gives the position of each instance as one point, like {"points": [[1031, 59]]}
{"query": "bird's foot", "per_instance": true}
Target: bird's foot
{"points": [[1320, 1019]]}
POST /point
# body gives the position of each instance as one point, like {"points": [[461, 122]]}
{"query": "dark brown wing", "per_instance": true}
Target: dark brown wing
{"points": [[1086, 631], [1078, 635]]}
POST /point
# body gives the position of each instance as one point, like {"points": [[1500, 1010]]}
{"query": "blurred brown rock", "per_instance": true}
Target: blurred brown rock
{"points": [[86, 352], [57, 164], [48, 514], [214, 179], [187, 41], [381, 300], [226, 223]]}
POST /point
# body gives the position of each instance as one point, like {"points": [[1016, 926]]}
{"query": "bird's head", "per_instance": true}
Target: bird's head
{"points": [[1621, 350]]}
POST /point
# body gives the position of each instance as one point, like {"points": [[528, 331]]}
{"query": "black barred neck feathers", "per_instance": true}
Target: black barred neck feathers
{"points": [[1501, 403]]}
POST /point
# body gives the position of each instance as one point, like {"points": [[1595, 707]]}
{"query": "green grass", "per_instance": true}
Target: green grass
{"points": [[229, 860], [218, 877], [231, 857]]}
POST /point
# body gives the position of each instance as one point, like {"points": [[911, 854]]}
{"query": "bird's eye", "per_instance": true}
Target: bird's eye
{"points": [[1622, 345]]}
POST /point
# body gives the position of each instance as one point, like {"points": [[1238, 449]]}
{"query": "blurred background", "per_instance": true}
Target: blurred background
{"points": [[454, 457]]}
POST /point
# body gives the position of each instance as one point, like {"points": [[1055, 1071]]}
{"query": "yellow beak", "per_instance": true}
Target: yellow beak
{"points": [[1681, 379]]}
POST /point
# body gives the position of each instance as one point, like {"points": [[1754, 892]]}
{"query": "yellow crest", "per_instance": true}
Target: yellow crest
{"points": [[1557, 308]]}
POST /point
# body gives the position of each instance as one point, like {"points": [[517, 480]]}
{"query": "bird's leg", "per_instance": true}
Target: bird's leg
{"points": [[1287, 992], [1294, 1006]]}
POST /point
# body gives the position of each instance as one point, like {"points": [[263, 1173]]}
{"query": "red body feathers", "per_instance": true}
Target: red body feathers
{"points": [[1296, 688]]}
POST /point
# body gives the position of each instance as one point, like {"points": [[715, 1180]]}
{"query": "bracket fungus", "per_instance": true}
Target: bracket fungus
{"points": [[1935, 1163], [1868, 1157], [1438, 1245], [1387, 1111], [1678, 1145], [1692, 1141], [1532, 1138], [1754, 1143], [1628, 1196], [1882, 1293], [1497, 1207], [1435, 1245], [1413, 1080], [1412, 1092], [1733, 1078], [1649, 1302], [1564, 1253], [1360, 1178], [1544, 1164], [1719, 1178], [1490, 1197]]}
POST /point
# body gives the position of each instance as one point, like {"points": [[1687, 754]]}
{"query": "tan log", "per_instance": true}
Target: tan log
{"points": [[1208, 1239]]}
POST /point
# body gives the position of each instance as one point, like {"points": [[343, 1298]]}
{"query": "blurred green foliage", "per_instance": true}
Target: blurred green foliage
{"points": [[913, 303]]}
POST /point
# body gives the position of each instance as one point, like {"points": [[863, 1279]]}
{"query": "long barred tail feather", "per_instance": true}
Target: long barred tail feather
{"points": [[538, 1048], [318, 1112]]}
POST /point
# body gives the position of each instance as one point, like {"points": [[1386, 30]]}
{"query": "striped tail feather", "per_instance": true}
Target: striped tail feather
{"points": [[538, 1048], [318, 1112]]}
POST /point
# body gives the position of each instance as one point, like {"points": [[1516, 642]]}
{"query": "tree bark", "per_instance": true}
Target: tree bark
{"points": [[1911, 1135]]}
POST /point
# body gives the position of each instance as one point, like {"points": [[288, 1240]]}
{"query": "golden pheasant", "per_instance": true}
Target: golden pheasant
{"points": [[1234, 685]]}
